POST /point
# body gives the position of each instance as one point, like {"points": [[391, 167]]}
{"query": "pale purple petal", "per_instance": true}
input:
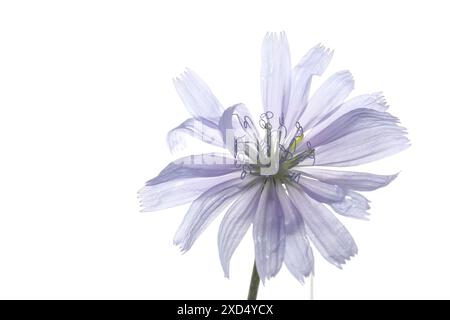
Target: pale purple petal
{"points": [[238, 119], [350, 180], [185, 179], [269, 233], [374, 101], [177, 192], [355, 120], [321, 191], [205, 208], [325, 231], [195, 166], [313, 63], [239, 130], [354, 205], [358, 137], [329, 96], [275, 74], [197, 97], [199, 128], [235, 224], [298, 256], [361, 147]]}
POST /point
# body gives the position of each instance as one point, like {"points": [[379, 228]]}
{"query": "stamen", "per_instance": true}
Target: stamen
{"points": [[281, 120], [281, 126], [246, 121], [246, 169], [298, 137], [239, 161], [239, 119], [245, 124], [264, 120], [299, 128], [295, 176], [312, 151], [268, 114], [284, 129], [285, 154]]}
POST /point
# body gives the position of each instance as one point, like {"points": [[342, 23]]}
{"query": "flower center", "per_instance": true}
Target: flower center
{"points": [[276, 153]]}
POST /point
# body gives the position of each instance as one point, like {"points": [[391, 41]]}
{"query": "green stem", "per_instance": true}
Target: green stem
{"points": [[254, 284]]}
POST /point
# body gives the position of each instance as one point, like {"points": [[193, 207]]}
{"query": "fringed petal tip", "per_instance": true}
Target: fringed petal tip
{"points": [[318, 56], [356, 213], [180, 246], [149, 201], [142, 196], [180, 240], [379, 99], [340, 262], [275, 36], [175, 141], [345, 76], [320, 47], [302, 278], [197, 96], [185, 75]]}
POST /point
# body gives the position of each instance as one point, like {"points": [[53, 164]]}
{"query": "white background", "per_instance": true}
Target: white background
{"points": [[86, 99]]}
